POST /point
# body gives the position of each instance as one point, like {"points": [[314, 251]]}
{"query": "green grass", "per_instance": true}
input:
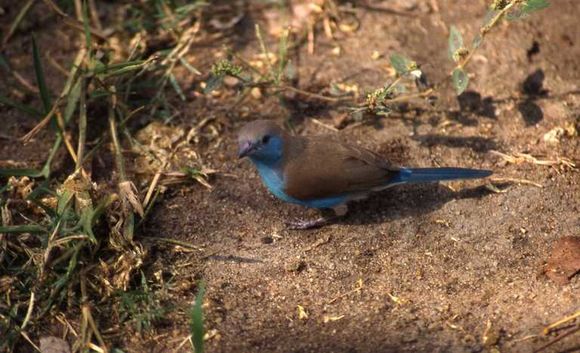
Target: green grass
{"points": [[196, 321], [74, 245]]}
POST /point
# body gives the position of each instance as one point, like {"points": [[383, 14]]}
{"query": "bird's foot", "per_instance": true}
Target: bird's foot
{"points": [[327, 217], [307, 224]]}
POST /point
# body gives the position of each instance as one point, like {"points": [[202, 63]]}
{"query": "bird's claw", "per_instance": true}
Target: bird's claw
{"points": [[301, 224]]}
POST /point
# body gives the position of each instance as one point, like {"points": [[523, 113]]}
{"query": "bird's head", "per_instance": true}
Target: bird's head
{"points": [[261, 140]]}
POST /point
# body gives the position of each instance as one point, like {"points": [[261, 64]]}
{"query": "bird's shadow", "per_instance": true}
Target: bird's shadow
{"points": [[407, 201], [532, 89], [476, 143]]}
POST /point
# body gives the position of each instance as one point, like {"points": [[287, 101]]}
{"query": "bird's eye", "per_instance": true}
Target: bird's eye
{"points": [[265, 139]]}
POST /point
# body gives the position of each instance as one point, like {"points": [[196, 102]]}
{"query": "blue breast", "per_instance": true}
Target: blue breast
{"points": [[273, 178]]}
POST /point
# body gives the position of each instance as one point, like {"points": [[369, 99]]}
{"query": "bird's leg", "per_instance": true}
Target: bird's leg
{"points": [[337, 212]]}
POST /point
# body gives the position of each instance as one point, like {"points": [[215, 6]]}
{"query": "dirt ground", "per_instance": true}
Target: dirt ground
{"points": [[423, 268]]}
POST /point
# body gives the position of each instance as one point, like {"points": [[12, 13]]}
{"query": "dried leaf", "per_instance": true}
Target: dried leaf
{"points": [[129, 196]]}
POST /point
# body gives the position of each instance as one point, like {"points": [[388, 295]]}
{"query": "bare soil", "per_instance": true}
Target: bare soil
{"points": [[423, 268]]}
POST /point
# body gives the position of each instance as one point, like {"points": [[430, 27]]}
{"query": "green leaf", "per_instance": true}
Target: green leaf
{"points": [[86, 223], [122, 69], [189, 67], [86, 25], [176, 86], [45, 172], [71, 102], [534, 5], [460, 80], [63, 201], [90, 216], [455, 41], [72, 264], [40, 79], [129, 226], [214, 82], [400, 63], [196, 323], [112, 69]]}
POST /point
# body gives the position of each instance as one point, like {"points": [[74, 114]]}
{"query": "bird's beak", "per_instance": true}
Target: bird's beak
{"points": [[246, 148]]}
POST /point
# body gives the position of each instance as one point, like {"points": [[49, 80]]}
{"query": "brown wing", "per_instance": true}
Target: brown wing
{"points": [[323, 168]]}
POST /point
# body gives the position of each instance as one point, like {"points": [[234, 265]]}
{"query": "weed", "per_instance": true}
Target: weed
{"points": [[381, 100], [140, 307], [71, 244]]}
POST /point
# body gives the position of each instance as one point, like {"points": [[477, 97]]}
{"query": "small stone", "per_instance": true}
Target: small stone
{"points": [[231, 81], [256, 93]]}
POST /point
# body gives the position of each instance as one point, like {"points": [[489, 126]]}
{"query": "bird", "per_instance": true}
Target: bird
{"points": [[326, 174]]}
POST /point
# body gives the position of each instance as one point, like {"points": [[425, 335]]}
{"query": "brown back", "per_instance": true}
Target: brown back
{"points": [[321, 167]]}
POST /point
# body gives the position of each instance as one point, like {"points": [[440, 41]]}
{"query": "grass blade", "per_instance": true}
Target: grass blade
{"points": [[189, 67], [17, 21], [86, 25], [196, 323], [82, 124], [45, 172], [20, 172], [176, 87], [72, 101], [119, 68], [40, 78]]}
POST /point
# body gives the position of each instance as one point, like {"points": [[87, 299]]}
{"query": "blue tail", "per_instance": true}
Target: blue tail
{"points": [[424, 175]]}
